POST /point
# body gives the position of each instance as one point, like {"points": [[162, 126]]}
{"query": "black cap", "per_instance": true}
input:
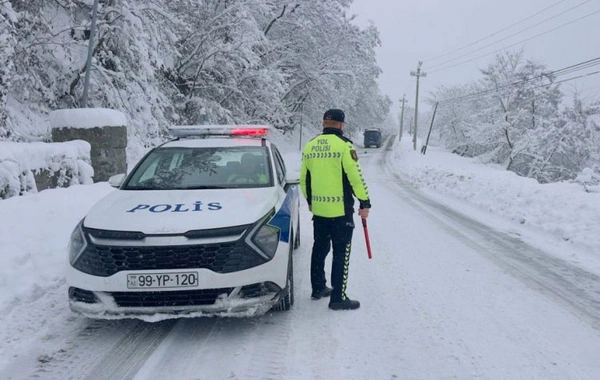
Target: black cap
{"points": [[334, 114]]}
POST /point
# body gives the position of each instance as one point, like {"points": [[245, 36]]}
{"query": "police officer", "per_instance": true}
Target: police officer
{"points": [[250, 172], [330, 175]]}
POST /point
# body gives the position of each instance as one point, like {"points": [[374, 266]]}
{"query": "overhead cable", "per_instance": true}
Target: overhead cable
{"points": [[509, 36], [566, 70], [516, 43], [495, 33]]}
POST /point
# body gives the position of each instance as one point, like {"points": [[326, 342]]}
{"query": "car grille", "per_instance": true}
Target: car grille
{"points": [[226, 257], [169, 299]]}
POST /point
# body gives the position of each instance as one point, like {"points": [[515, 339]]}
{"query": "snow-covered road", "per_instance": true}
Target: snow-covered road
{"points": [[444, 297]]}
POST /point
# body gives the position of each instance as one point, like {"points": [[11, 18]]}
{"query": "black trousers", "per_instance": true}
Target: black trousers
{"points": [[328, 232]]}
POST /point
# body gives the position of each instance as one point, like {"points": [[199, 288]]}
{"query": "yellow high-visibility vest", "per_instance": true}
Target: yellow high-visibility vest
{"points": [[330, 175]]}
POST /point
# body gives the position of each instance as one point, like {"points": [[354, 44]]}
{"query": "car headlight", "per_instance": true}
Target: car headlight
{"points": [[77, 243], [264, 238]]}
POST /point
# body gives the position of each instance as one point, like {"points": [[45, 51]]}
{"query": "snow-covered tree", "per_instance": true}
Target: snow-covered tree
{"points": [[328, 62], [523, 101], [574, 142], [187, 62], [7, 46], [512, 116], [50, 61], [457, 119]]}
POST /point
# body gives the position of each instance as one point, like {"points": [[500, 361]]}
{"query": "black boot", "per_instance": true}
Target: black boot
{"points": [[318, 294], [346, 304]]}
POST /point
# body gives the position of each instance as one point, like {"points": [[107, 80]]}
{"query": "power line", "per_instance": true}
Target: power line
{"points": [[577, 77], [576, 67], [566, 70], [510, 36], [485, 92], [495, 33], [516, 43], [453, 100]]}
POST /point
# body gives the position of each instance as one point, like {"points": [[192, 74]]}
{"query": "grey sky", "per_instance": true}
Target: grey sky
{"points": [[413, 30]]}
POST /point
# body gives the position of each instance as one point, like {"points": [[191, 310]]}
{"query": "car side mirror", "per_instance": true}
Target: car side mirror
{"points": [[116, 180], [291, 179]]}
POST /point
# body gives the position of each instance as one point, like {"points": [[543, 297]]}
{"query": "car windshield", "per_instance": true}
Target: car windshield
{"points": [[181, 168]]}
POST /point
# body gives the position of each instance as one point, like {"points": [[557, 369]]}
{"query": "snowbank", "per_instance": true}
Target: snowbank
{"points": [[567, 210], [25, 166]]}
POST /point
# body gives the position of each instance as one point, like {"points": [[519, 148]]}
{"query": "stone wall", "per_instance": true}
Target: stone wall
{"points": [[108, 147]]}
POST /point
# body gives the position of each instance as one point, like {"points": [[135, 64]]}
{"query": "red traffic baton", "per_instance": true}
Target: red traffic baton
{"points": [[366, 230]]}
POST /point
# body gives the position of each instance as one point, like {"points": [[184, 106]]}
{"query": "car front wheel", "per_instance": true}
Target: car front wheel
{"points": [[287, 299]]}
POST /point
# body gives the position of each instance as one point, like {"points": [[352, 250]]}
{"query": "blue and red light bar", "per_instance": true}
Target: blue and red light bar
{"points": [[254, 131], [219, 130]]}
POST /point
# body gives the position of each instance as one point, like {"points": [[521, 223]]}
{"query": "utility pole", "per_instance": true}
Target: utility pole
{"points": [[402, 117], [417, 74], [424, 147], [88, 65]]}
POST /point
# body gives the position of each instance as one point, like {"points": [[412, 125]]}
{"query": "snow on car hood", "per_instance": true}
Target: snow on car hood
{"points": [[178, 211]]}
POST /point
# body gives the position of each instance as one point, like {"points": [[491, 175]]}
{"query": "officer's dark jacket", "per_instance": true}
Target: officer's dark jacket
{"points": [[330, 174]]}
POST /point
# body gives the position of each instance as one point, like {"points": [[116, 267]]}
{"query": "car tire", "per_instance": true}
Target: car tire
{"points": [[287, 300]]}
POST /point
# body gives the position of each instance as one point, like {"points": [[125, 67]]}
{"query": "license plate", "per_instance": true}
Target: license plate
{"points": [[162, 280]]}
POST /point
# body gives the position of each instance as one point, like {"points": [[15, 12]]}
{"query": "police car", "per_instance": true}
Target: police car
{"points": [[203, 225]]}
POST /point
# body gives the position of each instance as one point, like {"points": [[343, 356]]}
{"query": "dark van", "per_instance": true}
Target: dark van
{"points": [[372, 137]]}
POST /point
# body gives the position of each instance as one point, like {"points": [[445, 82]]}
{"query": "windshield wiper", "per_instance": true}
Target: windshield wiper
{"points": [[204, 187], [138, 188]]}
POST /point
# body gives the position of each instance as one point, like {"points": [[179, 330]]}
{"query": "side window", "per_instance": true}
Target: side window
{"points": [[279, 165]]}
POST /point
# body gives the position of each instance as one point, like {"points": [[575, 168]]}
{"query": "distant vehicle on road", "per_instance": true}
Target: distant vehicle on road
{"points": [[372, 137]]}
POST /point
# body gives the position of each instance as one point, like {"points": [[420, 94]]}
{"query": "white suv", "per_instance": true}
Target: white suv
{"points": [[204, 225]]}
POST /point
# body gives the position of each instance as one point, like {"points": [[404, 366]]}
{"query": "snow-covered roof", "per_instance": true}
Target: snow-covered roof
{"points": [[87, 118]]}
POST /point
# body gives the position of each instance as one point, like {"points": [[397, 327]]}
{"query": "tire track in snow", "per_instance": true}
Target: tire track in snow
{"points": [[201, 349], [571, 286], [112, 350], [223, 348], [131, 352], [407, 302], [267, 361]]}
